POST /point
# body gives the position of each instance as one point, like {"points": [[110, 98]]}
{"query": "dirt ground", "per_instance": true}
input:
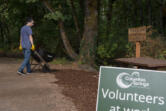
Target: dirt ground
{"points": [[64, 89]]}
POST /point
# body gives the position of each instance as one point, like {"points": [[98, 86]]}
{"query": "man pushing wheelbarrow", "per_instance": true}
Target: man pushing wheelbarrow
{"points": [[26, 44]]}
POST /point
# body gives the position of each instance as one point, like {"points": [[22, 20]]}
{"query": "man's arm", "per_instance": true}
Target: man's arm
{"points": [[31, 39]]}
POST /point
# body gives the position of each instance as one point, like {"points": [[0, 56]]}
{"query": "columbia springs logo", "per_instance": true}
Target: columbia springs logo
{"points": [[125, 80]]}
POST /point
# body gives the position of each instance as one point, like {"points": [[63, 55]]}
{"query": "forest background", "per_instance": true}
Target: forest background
{"points": [[90, 32]]}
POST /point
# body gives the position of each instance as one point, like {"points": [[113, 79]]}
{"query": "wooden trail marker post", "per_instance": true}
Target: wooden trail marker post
{"points": [[137, 35]]}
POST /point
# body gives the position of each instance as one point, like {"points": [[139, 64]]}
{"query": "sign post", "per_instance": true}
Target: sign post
{"points": [[137, 35], [124, 89], [138, 49]]}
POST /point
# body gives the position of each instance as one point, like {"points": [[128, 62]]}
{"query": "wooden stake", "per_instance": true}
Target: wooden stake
{"points": [[138, 47]]}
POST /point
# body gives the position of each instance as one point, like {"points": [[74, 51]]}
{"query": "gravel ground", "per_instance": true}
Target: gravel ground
{"points": [[35, 92]]}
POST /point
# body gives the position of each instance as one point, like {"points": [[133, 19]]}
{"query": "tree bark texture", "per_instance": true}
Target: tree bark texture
{"points": [[87, 51]]}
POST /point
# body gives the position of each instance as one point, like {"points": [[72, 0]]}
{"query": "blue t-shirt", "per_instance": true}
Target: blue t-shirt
{"points": [[25, 32]]}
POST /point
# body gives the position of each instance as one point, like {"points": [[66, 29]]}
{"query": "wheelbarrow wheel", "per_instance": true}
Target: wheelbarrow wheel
{"points": [[45, 68]]}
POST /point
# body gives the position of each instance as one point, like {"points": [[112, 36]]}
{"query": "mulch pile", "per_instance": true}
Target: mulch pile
{"points": [[81, 86]]}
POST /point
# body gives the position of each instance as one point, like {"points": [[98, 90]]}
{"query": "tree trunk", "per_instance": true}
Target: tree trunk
{"points": [[150, 12], [4, 34], [141, 12], [82, 15], [87, 51], [1, 33], [161, 17], [75, 19], [64, 37], [98, 21], [66, 42], [109, 16]]}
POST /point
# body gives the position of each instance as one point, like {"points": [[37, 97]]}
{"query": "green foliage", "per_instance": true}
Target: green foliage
{"points": [[112, 40], [55, 16], [31, 1], [28, 1], [113, 44], [154, 47]]}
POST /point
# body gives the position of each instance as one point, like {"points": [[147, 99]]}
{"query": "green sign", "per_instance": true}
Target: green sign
{"points": [[124, 89]]}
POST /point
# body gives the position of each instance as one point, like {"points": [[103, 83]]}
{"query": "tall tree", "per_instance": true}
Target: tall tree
{"points": [[109, 15], [66, 42], [75, 19], [87, 51], [149, 5], [161, 16], [87, 46]]}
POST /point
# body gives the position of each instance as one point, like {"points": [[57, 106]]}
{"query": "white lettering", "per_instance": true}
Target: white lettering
{"points": [[105, 93]]}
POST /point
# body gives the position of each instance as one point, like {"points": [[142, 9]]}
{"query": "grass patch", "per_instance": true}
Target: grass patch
{"points": [[61, 61]]}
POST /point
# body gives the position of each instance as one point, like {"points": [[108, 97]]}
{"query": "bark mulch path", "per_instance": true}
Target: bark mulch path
{"points": [[79, 85]]}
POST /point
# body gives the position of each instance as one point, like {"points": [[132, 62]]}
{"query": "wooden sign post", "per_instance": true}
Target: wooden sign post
{"points": [[138, 49], [137, 35]]}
